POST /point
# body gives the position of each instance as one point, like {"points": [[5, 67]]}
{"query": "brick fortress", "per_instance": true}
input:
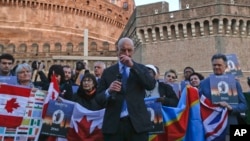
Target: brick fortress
{"points": [[52, 31], [190, 36]]}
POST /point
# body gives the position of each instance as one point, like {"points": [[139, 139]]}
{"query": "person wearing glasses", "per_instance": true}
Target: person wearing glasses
{"points": [[86, 93], [6, 64], [187, 72]]}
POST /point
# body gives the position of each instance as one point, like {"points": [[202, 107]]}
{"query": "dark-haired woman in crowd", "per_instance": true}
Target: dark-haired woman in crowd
{"points": [[85, 96], [86, 92], [195, 79]]}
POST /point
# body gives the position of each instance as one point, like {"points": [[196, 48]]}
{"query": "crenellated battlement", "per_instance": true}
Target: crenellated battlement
{"points": [[104, 11], [210, 20], [189, 37]]}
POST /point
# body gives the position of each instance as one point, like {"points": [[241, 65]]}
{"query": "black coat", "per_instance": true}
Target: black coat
{"points": [[138, 81], [166, 91], [86, 101]]}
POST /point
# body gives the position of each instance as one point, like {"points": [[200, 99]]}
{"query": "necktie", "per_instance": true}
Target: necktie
{"points": [[124, 82], [124, 78]]}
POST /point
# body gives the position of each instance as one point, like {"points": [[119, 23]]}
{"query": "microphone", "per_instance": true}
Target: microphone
{"points": [[118, 78]]}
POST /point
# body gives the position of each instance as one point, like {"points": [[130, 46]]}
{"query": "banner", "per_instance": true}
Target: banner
{"points": [[31, 122]]}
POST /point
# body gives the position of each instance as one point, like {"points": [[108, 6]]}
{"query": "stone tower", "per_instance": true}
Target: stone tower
{"points": [[52, 30], [190, 36]]}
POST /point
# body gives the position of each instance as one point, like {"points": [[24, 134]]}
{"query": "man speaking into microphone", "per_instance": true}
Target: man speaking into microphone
{"points": [[126, 117]]}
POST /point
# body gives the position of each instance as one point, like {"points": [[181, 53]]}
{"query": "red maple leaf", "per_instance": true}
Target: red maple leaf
{"points": [[83, 132], [11, 105]]}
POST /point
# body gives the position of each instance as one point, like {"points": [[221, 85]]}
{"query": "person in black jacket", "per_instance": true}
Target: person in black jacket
{"points": [[162, 90], [86, 93]]}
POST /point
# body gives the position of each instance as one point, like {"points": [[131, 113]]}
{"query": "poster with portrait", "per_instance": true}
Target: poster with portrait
{"points": [[223, 88], [57, 118], [154, 110], [233, 66]]}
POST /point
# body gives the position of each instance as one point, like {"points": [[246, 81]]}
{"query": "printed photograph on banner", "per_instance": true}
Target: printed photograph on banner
{"points": [[233, 66], [57, 118], [154, 110], [223, 88]]}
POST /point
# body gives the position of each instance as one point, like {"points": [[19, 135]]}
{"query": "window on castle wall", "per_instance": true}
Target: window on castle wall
{"points": [[215, 26], [165, 32], [157, 33], [34, 48], [197, 29], [80, 46], [225, 25], [189, 30], [206, 27], [105, 46], [109, 11], [150, 34], [241, 26], [181, 33], [233, 26], [125, 6], [69, 47], [93, 46], [46, 47], [58, 47], [248, 28], [173, 33], [142, 35], [23, 48], [11, 48]]}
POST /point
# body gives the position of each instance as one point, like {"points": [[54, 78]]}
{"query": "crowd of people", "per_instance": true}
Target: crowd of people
{"points": [[121, 89]]}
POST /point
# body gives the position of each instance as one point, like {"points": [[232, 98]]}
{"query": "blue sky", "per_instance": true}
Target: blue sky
{"points": [[173, 4]]}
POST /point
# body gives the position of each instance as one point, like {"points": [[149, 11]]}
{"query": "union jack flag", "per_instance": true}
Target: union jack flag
{"points": [[214, 119]]}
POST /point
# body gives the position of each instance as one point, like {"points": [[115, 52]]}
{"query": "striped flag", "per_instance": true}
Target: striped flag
{"points": [[214, 119], [13, 101], [183, 121]]}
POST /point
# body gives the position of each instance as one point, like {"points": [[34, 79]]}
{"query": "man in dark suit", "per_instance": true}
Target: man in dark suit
{"points": [[126, 117]]}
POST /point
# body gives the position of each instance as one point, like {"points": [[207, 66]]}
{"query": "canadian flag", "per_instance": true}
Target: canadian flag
{"points": [[13, 102], [85, 125], [53, 93]]}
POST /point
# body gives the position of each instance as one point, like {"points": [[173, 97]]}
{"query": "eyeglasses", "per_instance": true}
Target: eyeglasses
{"points": [[170, 76]]}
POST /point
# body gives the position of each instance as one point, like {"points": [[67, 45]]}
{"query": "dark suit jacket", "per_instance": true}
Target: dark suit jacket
{"points": [[167, 91], [138, 80]]}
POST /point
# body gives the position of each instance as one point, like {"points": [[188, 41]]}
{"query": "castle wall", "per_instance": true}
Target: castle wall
{"points": [[190, 37], [38, 30]]}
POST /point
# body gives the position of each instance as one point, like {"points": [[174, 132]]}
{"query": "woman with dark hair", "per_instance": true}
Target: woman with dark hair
{"points": [[195, 79], [86, 92], [66, 91], [85, 96]]}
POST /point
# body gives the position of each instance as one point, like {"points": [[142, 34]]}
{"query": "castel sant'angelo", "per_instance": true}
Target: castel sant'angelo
{"points": [[63, 31]]}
